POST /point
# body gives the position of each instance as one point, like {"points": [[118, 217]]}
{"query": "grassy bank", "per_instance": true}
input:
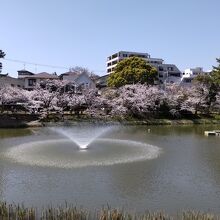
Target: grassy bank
{"points": [[17, 120], [22, 121], [18, 212], [130, 121], [172, 122]]}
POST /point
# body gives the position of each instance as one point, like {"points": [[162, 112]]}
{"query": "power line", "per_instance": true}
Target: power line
{"points": [[44, 65], [36, 64]]}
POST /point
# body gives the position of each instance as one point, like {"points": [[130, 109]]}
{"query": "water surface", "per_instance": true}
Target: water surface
{"points": [[185, 175]]}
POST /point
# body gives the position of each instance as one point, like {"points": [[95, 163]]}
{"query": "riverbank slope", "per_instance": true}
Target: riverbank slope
{"points": [[22, 121]]}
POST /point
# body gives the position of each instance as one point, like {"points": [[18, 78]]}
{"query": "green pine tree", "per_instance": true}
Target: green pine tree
{"points": [[2, 55], [216, 74]]}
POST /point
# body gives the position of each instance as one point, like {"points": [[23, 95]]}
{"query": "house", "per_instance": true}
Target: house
{"points": [[167, 73], [6, 80], [30, 79], [80, 80]]}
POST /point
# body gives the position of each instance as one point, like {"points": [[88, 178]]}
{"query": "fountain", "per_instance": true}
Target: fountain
{"points": [[81, 146], [80, 135]]}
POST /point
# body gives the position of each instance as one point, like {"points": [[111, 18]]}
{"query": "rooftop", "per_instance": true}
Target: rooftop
{"points": [[42, 75]]}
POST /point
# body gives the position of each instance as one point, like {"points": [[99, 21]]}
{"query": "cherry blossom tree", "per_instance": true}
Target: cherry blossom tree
{"points": [[12, 95], [137, 101], [217, 103], [196, 99], [12, 98], [174, 97], [45, 97]]}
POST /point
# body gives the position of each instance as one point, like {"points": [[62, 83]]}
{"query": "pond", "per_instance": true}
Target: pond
{"points": [[170, 168]]}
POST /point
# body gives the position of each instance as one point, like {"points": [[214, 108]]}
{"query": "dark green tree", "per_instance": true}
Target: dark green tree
{"points": [[212, 83], [2, 55], [216, 74], [213, 79], [131, 71]]}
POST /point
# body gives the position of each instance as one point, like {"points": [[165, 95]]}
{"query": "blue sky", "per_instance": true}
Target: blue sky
{"points": [[84, 32]]}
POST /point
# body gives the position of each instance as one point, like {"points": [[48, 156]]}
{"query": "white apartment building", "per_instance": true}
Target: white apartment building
{"points": [[167, 73], [191, 73], [117, 57]]}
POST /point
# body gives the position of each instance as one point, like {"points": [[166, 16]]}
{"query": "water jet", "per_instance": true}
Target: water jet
{"points": [[82, 136]]}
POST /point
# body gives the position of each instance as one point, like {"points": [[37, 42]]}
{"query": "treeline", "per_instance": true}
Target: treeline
{"points": [[136, 101]]}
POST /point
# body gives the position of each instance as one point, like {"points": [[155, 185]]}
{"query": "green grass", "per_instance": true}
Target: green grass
{"points": [[68, 212], [217, 116]]}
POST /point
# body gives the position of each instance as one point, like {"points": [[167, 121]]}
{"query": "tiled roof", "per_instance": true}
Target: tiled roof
{"points": [[25, 71], [42, 75], [46, 75]]}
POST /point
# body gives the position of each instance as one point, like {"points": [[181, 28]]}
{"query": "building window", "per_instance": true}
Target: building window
{"points": [[125, 55], [114, 62], [174, 74], [170, 68], [160, 68], [114, 55], [31, 82]]}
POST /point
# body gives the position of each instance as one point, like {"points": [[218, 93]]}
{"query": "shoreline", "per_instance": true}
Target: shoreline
{"points": [[15, 122]]}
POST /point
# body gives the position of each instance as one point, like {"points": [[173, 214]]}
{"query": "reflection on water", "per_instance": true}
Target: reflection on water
{"points": [[186, 174], [6, 133]]}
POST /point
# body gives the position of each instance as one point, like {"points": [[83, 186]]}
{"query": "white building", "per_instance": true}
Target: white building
{"points": [[191, 73], [117, 57], [167, 73], [81, 80]]}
